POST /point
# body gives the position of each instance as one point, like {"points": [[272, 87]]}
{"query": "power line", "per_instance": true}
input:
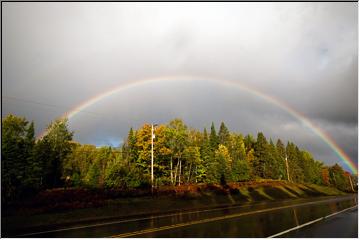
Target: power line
{"points": [[48, 105]]}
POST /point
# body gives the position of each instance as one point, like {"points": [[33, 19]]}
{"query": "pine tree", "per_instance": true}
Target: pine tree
{"points": [[214, 141], [293, 156], [240, 169], [205, 154], [130, 149], [281, 152], [261, 156], [249, 142], [274, 163], [250, 159], [311, 168], [181, 155], [224, 135]]}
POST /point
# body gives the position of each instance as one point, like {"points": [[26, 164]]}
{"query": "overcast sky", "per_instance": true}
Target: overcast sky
{"points": [[57, 55]]}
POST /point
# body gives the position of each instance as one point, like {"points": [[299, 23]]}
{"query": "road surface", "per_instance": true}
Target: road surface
{"points": [[343, 225], [261, 219]]}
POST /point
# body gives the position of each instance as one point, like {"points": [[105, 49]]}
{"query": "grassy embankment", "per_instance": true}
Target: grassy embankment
{"points": [[74, 205]]}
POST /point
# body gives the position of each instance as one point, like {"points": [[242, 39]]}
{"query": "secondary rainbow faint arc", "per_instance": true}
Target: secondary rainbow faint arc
{"points": [[301, 117]]}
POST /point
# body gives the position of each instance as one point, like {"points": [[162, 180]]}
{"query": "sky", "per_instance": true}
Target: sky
{"points": [[59, 55]]}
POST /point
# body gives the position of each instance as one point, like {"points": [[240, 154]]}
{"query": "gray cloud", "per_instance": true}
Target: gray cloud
{"points": [[305, 54]]}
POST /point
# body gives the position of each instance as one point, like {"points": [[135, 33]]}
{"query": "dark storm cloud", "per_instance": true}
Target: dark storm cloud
{"points": [[57, 55]]}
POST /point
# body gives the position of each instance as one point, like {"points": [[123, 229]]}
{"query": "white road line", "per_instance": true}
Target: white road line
{"points": [[145, 218], [136, 219], [150, 230], [311, 222]]}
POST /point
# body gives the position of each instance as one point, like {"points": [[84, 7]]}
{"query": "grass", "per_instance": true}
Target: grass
{"points": [[74, 208]]}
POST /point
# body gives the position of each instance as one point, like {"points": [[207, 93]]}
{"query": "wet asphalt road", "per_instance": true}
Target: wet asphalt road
{"points": [[343, 225], [261, 219]]}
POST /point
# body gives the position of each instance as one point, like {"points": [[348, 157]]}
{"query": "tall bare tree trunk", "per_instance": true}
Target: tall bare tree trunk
{"points": [[189, 173], [171, 170], [176, 170], [195, 174]]}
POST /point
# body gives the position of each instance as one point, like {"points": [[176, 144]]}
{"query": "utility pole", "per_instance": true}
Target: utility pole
{"points": [[287, 168], [152, 157]]}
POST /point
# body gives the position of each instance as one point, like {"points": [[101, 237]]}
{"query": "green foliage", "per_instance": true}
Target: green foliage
{"points": [[20, 170], [275, 163], [262, 157], [294, 157], [194, 164], [281, 155], [78, 163], [129, 148], [240, 169], [249, 142], [224, 135], [93, 175], [213, 140], [338, 178], [181, 156], [205, 154], [177, 136], [220, 169], [311, 168], [52, 150]]}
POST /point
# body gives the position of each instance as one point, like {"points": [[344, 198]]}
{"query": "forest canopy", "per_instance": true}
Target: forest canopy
{"points": [[182, 155]]}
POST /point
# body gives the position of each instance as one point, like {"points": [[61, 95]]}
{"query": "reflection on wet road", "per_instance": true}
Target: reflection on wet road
{"points": [[255, 225], [343, 225], [247, 220]]}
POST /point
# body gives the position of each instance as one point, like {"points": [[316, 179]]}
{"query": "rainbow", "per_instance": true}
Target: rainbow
{"points": [[299, 116]]}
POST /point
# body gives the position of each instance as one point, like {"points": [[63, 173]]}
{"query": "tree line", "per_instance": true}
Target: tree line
{"points": [[182, 155]]}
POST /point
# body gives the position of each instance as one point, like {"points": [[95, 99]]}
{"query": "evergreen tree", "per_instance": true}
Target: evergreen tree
{"points": [[224, 135], [130, 149], [249, 142], [181, 155], [250, 159], [261, 156], [205, 154], [294, 156], [273, 165], [281, 152], [240, 169], [103, 156], [213, 140], [311, 168]]}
